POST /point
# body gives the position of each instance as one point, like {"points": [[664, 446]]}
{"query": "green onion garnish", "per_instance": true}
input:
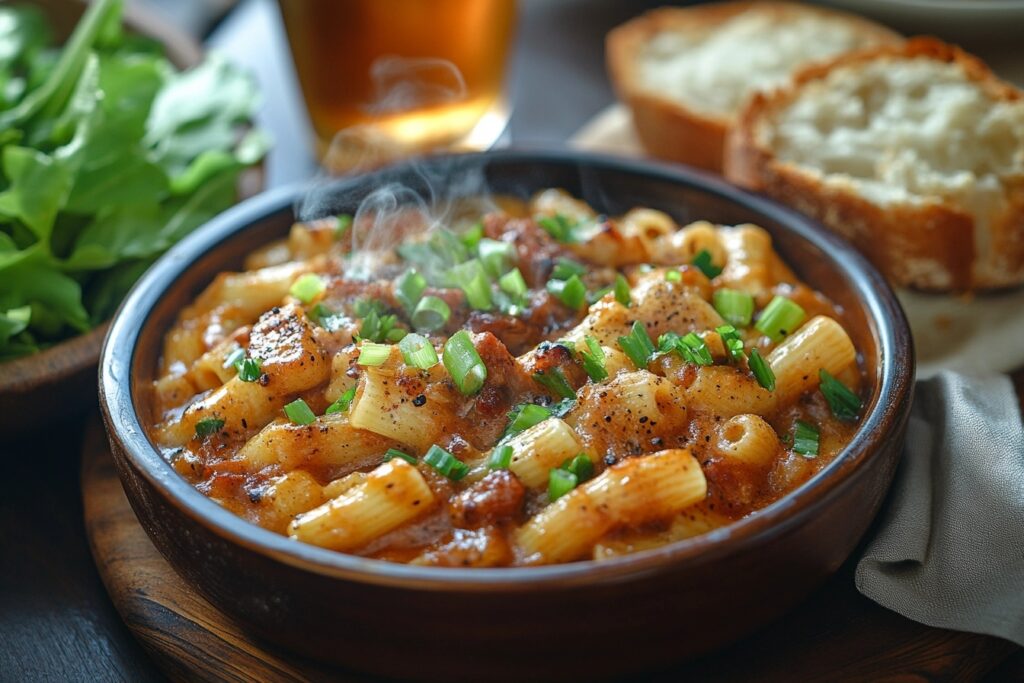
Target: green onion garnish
{"points": [[560, 482], [806, 439], [500, 458], [622, 294], [513, 284], [393, 453], [431, 314], [463, 363], [694, 349], [417, 351], [472, 279], [732, 342], [524, 416], [343, 402], [249, 369], [308, 287], [445, 463], [298, 411], [845, 404], [762, 372], [409, 289], [565, 268], [673, 276], [571, 292], [554, 380], [581, 466], [497, 257], [472, 236], [735, 307], [371, 353], [328, 319], [342, 223], [234, 358], [593, 359], [703, 261], [558, 226], [638, 345], [779, 318], [208, 426]]}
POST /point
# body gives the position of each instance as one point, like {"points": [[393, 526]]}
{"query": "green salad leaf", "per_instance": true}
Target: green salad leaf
{"points": [[108, 156]]}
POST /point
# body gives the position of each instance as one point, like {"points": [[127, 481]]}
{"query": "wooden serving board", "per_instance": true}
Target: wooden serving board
{"points": [[835, 634]]}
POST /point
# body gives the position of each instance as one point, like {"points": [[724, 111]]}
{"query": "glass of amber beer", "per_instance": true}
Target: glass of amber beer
{"points": [[406, 75]]}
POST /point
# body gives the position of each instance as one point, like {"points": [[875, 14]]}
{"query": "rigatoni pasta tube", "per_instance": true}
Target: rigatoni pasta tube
{"points": [[383, 407], [541, 448], [748, 439], [821, 344], [330, 440], [393, 494], [633, 492]]}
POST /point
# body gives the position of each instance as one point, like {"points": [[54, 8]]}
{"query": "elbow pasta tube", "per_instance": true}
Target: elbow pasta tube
{"points": [[638, 490], [539, 449], [748, 439], [393, 494], [682, 246], [820, 344]]}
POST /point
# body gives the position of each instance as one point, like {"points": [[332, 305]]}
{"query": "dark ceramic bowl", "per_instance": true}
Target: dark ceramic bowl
{"points": [[581, 620]]}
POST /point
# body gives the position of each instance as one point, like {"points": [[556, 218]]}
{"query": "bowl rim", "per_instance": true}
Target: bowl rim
{"points": [[880, 306]]}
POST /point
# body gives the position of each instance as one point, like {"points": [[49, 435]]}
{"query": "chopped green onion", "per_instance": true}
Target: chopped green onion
{"points": [[581, 466], [703, 261], [464, 363], [560, 482], [513, 284], [735, 307], [562, 407], [500, 458], [393, 453], [695, 350], [298, 411], [308, 287], [524, 416], [845, 404], [571, 292], [779, 318], [431, 314], [622, 294], [249, 369], [471, 278], [445, 463], [371, 353], [732, 341], [565, 268], [234, 358], [208, 426], [558, 226], [593, 360], [328, 319], [598, 294], [638, 345], [673, 276], [473, 235], [496, 256], [762, 372], [342, 223], [417, 351], [806, 439], [554, 380], [343, 402], [409, 289], [378, 328]]}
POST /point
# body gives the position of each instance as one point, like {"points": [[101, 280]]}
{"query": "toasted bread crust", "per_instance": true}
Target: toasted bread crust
{"points": [[927, 246], [669, 129]]}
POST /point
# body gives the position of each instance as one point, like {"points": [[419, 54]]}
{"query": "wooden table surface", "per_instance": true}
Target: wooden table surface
{"points": [[56, 621]]}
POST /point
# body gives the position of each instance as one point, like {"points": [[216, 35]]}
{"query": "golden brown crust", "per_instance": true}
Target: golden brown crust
{"points": [[925, 246], [666, 128]]}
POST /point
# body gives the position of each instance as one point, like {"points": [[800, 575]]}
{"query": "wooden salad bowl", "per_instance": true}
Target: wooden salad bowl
{"points": [[59, 383], [582, 620]]}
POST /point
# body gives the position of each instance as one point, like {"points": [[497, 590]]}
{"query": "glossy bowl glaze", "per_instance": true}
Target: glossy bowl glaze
{"points": [[583, 620]]}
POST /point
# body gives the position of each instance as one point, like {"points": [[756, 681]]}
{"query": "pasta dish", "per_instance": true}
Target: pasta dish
{"points": [[531, 384]]}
